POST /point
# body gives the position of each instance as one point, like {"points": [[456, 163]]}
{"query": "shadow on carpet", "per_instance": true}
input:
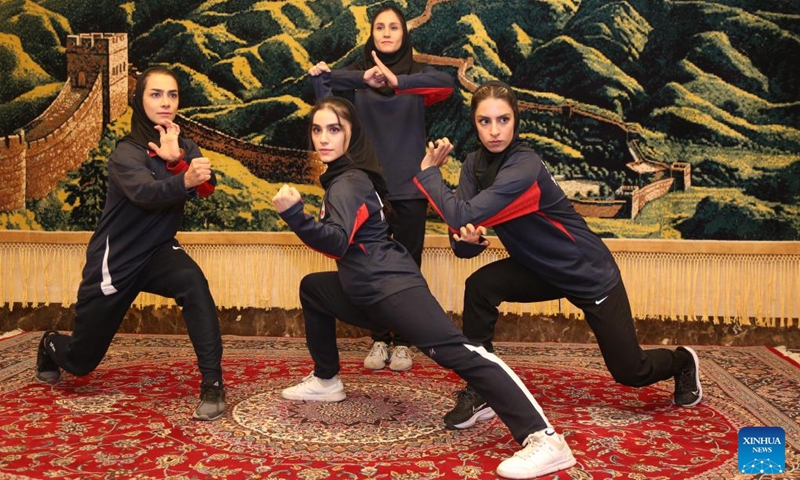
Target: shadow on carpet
{"points": [[132, 416]]}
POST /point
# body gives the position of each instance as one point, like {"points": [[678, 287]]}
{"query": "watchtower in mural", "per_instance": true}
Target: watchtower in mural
{"points": [[106, 54], [38, 155]]}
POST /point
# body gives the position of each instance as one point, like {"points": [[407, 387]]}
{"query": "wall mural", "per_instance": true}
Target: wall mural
{"points": [[660, 119]]}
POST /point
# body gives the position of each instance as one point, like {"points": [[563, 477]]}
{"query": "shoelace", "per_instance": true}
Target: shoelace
{"points": [[307, 379], [401, 352], [465, 395], [685, 381], [211, 393], [379, 350], [531, 445]]}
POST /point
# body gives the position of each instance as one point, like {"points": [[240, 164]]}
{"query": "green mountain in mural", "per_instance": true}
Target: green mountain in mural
{"points": [[701, 81]]}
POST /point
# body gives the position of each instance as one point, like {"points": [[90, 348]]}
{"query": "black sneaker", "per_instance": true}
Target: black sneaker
{"points": [[47, 370], [688, 391], [212, 402], [470, 408]]}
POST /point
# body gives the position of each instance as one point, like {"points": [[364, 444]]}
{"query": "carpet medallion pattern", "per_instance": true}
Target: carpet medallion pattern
{"points": [[131, 418]]}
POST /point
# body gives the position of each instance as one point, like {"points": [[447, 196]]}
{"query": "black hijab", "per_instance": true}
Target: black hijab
{"points": [[400, 62], [142, 128], [358, 154], [487, 163]]}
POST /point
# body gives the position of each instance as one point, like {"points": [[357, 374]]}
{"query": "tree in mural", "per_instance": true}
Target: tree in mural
{"points": [[86, 187]]}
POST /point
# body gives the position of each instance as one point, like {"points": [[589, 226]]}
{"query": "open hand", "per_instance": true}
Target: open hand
{"points": [[385, 72], [374, 78], [470, 234], [169, 150]]}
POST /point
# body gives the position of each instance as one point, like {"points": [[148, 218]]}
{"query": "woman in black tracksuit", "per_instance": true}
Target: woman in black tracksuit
{"points": [[390, 91], [377, 284], [553, 253], [152, 173]]}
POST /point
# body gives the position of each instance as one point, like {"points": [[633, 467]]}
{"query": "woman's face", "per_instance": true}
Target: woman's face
{"points": [[387, 32], [494, 120], [330, 134], [160, 98]]}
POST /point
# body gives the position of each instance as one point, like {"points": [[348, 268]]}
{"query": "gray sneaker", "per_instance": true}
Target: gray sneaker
{"points": [[377, 357], [212, 402], [402, 359]]}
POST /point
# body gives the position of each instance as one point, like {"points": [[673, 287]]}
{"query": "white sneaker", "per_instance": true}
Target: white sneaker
{"points": [[543, 452], [377, 357], [402, 359], [316, 390]]}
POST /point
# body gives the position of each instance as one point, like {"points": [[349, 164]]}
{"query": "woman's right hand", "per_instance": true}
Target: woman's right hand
{"points": [[318, 69], [437, 153], [285, 198]]}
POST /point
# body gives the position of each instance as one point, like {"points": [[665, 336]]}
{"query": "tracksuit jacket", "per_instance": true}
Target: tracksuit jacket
{"points": [[532, 217], [394, 124], [144, 210], [352, 230]]}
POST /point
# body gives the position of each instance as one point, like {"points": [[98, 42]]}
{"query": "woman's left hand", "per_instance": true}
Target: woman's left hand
{"points": [[169, 150], [470, 234], [285, 198], [388, 76]]}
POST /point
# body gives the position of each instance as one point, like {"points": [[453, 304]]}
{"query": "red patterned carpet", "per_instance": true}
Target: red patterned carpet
{"points": [[132, 417]]}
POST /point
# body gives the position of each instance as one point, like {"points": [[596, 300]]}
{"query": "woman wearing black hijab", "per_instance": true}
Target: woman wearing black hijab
{"points": [[377, 283], [390, 91], [552, 254], [152, 172]]}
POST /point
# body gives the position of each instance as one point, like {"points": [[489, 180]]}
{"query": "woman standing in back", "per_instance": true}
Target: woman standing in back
{"points": [[390, 91]]}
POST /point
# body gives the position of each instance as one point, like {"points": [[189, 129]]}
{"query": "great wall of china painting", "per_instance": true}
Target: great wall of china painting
{"points": [[660, 119]]}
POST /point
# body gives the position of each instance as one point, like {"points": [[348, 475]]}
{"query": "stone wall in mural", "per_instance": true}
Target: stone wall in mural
{"points": [[660, 119]]}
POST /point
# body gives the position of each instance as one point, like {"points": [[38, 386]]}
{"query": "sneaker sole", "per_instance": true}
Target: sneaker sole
{"points": [[330, 397], [481, 416], [561, 465], [697, 376], [48, 376], [369, 367], [403, 369], [206, 418]]}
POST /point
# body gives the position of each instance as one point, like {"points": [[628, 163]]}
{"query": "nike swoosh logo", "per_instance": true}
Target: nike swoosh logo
{"points": [[475, 409], [598, 302], [177, 248]]}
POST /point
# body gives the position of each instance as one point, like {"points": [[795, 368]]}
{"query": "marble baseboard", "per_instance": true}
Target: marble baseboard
{"points": [[521, 328]]}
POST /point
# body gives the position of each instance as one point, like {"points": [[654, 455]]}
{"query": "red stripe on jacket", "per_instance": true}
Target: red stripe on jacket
{"points": [[362, 214], [431, 95], [525, 204]]}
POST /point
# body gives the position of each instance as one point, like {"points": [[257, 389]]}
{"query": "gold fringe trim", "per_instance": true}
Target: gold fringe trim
{"points": [[751, 283]]}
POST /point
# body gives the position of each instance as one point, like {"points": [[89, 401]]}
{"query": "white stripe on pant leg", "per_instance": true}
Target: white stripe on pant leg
{"points": [[495, 359]]}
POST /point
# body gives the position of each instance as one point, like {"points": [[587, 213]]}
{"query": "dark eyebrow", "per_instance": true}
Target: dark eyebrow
{"points": [[159, 90], [328, 125], [481, 117]]}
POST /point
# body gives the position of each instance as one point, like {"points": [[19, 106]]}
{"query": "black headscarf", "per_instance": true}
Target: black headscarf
{"points": [[142, 128], [358, 154], [487, 163], [400, 62]]}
